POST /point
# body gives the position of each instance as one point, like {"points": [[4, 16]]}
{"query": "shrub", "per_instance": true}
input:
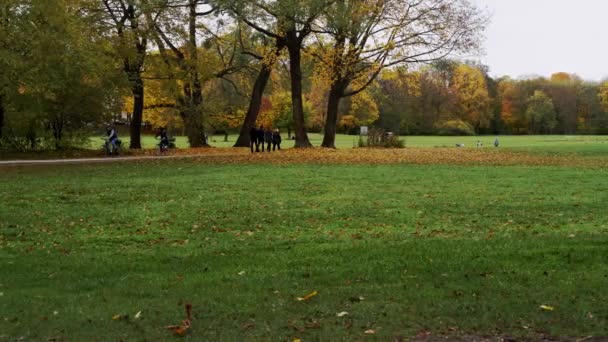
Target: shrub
{"points": [[377, 137]]}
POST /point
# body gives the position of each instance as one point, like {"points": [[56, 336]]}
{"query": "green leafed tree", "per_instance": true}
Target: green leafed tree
{"points": [[63, 82], [541, 113]]}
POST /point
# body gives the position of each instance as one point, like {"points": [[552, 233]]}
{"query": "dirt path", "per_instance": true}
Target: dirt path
{"points": [[89, 160]]}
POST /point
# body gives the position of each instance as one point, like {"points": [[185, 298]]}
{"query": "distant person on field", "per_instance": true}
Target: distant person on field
{"points": [[479, 143], [496, 142], [268, 138], [276, 139]]}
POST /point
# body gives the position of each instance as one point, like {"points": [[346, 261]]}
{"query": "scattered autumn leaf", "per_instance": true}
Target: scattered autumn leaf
{"points": [[342, 314], [182, 329], [308, 296], [370, 331], [547, 307]]}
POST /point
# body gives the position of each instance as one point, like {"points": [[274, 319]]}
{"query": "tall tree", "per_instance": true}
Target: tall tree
{"points": [[181, 52], [62, 80], [370, 35], [290, 22], [563, 89], [267, 58], [473, 99], [541, 113], [129, 24]]}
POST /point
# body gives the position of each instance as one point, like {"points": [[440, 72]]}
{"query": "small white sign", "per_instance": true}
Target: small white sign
{"points": [[363, 130]]}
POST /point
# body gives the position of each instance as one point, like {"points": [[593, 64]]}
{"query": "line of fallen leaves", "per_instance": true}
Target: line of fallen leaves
{"points": [[423, 156]]}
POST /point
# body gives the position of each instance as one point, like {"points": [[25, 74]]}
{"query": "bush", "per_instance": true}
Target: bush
{"points": [[379, 138], [455, 128]]}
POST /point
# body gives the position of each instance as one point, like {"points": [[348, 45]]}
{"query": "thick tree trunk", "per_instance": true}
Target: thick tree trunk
{"points": [[138, 111], [195, 131], [254, 106], [295, 71], [256, 98], [335, 95], [194, 91]]}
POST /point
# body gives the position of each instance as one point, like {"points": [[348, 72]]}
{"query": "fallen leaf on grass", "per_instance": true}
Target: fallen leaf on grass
{"points": [[241, 273], [180, 330], [297, 340], [308, 296], [547, 307], [119, 317], [138, 315], [370, 331], [342, 314]]}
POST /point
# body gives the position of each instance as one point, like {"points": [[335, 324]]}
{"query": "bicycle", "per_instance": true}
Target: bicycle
{"points": [[109, 148]]}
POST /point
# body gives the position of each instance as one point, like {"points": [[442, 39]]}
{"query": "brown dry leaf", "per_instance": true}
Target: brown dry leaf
{"points": [[182, 329], [370, 331], [308, 296]]}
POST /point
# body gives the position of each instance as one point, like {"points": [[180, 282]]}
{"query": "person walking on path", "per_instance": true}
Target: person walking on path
{"points": [[496, 142], [268, 138], [254, 139], [276, 139]]}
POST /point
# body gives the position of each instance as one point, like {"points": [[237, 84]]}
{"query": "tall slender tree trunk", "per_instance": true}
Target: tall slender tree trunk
{"points": [[194, 92], [254, 106], [138, 111], [335, 95], [336, 91], [295, 71]]}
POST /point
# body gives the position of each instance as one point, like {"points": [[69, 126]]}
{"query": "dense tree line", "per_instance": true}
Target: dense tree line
{"points": [[72, 66], [461, 98]]}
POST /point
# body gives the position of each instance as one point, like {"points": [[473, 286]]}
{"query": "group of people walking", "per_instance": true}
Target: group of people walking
{"points": [[261, 136]]}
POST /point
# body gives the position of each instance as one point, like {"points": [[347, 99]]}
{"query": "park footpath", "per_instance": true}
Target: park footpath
{"points": [[88, 160]]}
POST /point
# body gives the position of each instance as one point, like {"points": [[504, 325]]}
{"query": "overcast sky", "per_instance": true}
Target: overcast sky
{"points": [[540, 37]]}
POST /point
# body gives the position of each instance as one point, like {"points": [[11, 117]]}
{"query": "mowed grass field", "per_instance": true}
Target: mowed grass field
{"points": [[393, 251], [544, 144]]}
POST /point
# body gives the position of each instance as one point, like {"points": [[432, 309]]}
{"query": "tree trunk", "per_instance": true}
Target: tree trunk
{"points": [[335, 95], [336, 91], [254, 106], [138, 111], [295, 71], [194, 91]]}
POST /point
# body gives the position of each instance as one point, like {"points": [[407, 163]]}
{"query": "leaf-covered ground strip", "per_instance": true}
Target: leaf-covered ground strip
{"points": [[115, 251]]}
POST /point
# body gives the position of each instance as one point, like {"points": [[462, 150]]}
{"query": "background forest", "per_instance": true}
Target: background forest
{"points": [[69, 68]]}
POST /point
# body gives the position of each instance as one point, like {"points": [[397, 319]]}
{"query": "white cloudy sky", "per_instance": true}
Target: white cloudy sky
{"points": [[540, 37]]}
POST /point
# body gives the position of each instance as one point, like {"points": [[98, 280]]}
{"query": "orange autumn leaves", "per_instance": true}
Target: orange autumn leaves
{"points": [[417, 156]]}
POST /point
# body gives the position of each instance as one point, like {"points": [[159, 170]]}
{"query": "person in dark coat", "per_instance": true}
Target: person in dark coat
{"points": [[254, 139], [276, 139], [268, 139]]}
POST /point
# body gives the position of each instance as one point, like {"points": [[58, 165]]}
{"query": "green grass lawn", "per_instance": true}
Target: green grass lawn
{"points": [[583, 145], [403, 249]]}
